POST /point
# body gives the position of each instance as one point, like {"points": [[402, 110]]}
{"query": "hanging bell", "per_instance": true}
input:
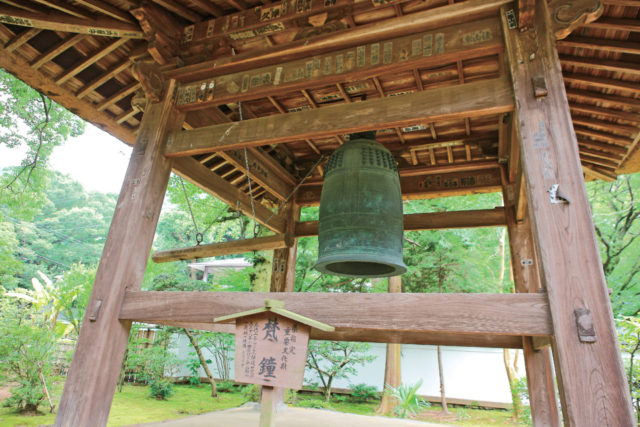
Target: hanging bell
{"points": [[361, 222]]}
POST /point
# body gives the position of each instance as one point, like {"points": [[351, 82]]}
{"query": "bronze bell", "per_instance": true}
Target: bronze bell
{"points": [[361, 221]]}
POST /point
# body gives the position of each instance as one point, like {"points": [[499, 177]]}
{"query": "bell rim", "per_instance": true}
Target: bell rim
{"points": [[399, 268]]}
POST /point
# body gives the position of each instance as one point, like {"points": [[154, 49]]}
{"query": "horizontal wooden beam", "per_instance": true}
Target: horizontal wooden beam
{"points": [[358, 316], [60, 22], [441, 182], [401, 26], [449, 103], [431, 221], [421, 50], [265, 243], [399, 337], [208, 181]]}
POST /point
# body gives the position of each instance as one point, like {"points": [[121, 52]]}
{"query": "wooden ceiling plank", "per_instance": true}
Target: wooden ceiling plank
{"points": [[603, 136], [90, 60], [54, 21], [20, 5], [623, 101], [408, 24], [601, 82], [449, 103], [208, 7], [43, 84], [598, 161], [500, 314], [240, 5], [632, 68], [102, 79], [107, 9], [126, 115], [605, 112], [613, 150], [617, 24], [606, 45], [202, 177], [598, 153], [64, 7], [604, 176], [605, 126], [350, 65], [21, 39], [56, 50], [179, 9], [122, 93]]}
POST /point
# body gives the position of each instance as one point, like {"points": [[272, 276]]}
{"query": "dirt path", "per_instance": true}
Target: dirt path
{"points": [[248, 416]]}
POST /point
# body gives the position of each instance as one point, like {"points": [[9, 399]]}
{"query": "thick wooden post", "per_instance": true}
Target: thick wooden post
{"points": [[542, 395], [93, 375], [587, 356], [283, 275], [392, 367]]}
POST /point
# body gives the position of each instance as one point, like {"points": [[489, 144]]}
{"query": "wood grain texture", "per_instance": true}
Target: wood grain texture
{"points": [[224, 248], [431, 221], [93, 374], [508, 314], [283, 270], [449, 103], [593, 384], [191, 170]]}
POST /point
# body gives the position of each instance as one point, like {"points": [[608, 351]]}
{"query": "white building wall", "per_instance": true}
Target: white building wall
{"points": [[470, 373]]}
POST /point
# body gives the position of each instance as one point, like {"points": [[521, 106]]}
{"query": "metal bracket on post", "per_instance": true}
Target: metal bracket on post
{"points": [[556, 197], [584, 323]]}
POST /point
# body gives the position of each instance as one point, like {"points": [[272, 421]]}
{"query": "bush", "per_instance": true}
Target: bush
{"points": [[315, 404], [160, 388], [225, 386], [409, 403], [251, 393], [363, 392]]}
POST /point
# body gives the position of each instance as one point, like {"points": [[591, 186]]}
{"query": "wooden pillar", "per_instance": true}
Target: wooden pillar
{"points": [[283, 275], [542, 396], [393, 362], [586, 352], [93, 374]]}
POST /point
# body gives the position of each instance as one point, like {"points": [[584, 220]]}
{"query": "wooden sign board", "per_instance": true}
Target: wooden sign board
{"points": [[271, 350]]}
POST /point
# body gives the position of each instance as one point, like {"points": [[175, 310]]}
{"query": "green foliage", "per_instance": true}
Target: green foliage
{"points": [[363, 392], [31, 122], [226, 386], [329, 360], [409, 403], [193, 365], [629, 337], [251, 393], [521, 388], [314, 404], [616, 215], [160, 388], [27, 345]]}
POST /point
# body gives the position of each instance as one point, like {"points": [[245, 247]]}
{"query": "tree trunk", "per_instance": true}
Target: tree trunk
{"points": [[512, 375], [443, 398], [392, 372], [203, 361]]}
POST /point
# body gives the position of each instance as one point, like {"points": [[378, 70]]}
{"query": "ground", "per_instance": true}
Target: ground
{"points": [[133, 406]]}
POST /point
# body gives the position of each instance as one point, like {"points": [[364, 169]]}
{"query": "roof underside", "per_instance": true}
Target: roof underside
{"points": [[222, 40]]}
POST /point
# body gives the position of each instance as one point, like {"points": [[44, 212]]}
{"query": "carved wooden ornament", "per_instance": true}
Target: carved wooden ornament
{"points": [[150, 78], [567, 15]]}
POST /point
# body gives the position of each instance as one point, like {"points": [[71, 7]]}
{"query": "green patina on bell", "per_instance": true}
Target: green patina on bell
{"points": [[361, 221]]}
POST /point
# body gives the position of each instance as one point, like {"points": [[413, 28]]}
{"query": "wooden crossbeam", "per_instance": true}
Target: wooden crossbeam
{"points": [[122, 93], [103, 78], [21, 39], [57, 50], [430, 221], [202, 177], [631, 68], [602, 82], [64, 7], [233, 247], [60, 22], [408, 24], [107, 9], [420, 50], [396, 317], [606, 45], [450, 103]]}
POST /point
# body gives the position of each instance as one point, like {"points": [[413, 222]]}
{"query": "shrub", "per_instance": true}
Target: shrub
{"points": [[409, 403], [160, 388], [315, 404], [225, 386], [251, 393], [363, 392]]}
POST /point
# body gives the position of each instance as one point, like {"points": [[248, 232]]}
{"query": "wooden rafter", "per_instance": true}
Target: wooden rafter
{"points": [[107, 27], [91, 59]]}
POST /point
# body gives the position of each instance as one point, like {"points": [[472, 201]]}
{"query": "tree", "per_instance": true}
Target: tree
{"points": [[330, 360], [27, 344], [616, 213], [629, 337]]}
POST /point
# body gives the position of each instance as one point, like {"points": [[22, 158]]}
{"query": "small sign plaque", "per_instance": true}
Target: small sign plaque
{"points": [[271, 350]]}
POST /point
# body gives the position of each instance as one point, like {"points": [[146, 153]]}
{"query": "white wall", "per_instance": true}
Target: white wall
{"points": [[470, 373]]}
